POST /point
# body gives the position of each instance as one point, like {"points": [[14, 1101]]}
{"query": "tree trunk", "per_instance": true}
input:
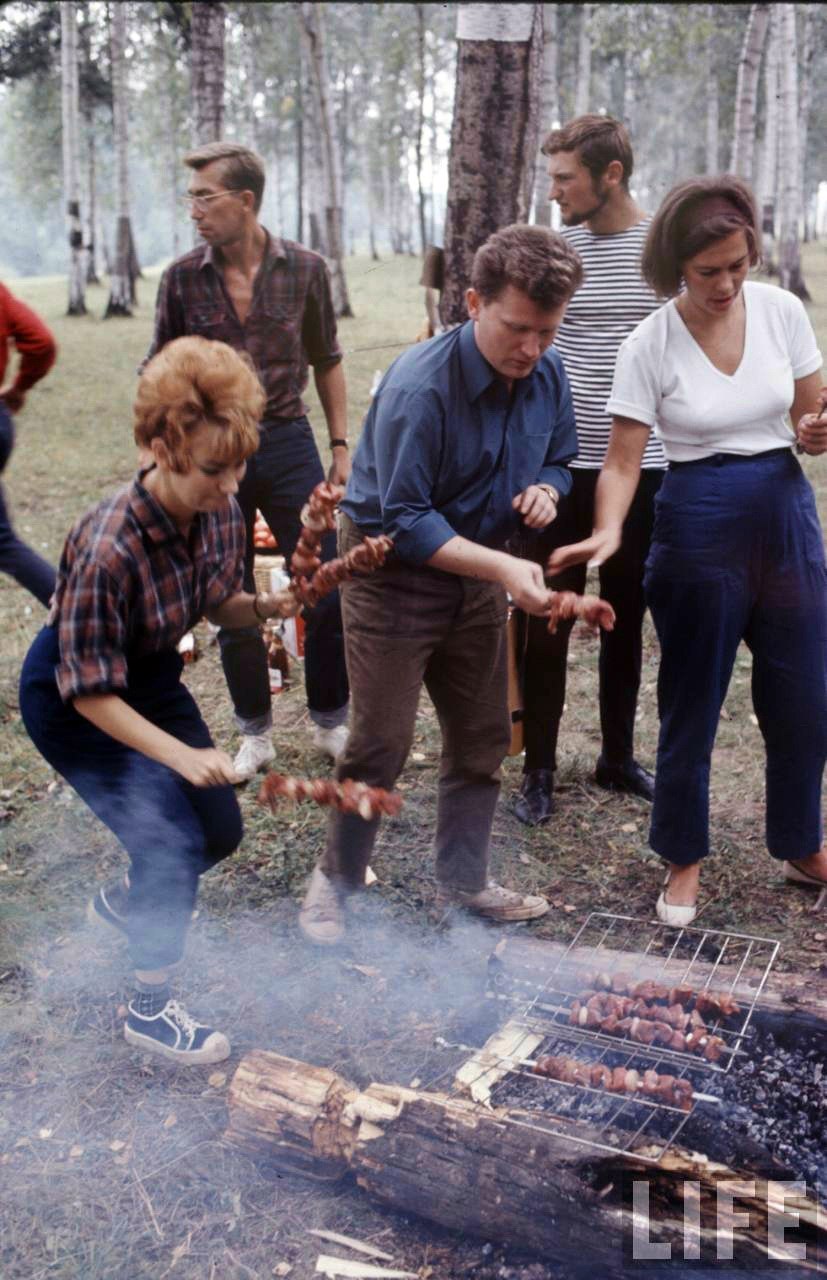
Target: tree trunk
{"points": [[789, 247], [481, 1171], [630, 67], [549, 112], [313, 36], [71, 162], [207, 71], [767, 184], [420, 123], [582, 96], [804, 101], [91, 202], [712, 111], [743, 139], [493, 136], [122, 283]]}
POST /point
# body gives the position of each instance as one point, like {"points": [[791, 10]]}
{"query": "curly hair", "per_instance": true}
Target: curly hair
{"points": [[193, 381], [535, 260], [695, 214]]}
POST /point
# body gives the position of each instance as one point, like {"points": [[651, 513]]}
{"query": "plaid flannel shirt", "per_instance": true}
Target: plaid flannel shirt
{"points": [[129, 584], [291, 322]]}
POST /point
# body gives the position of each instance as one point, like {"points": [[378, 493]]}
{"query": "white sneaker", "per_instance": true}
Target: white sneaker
{"points": [[331, 742], [256, 753]]}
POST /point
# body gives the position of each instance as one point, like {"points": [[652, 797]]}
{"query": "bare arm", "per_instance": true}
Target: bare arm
{"points": [[808, 414], [330, 384], [203, 767], [522, 579], [238, 611], [616, 487]]}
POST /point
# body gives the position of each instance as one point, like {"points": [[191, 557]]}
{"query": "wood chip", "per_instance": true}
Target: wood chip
{"points": [[349, 1242], [170, 1120], [217, 1079], [74, 1152], [117, 1145], [330, 1266], [282, 1269]]}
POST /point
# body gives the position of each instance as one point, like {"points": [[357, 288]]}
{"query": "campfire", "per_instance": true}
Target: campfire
{"points": [[622, 1083]]}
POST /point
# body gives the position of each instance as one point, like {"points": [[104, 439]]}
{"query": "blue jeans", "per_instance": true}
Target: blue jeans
{"points": [[737, 554], [172, 831], [278, 481], [16, 558]]}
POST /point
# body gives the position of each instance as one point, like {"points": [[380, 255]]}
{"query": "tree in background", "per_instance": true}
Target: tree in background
{"points": [[789, 205], [749, 65], [125, 264], [493, 138], [71, 162], [207, 70], [549, 112]]}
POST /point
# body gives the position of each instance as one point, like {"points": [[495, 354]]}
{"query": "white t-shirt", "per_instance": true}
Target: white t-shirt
{"points": [[665, 380], [606, 309]]}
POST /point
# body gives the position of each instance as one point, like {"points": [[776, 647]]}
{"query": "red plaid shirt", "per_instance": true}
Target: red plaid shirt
{"points": [[129, 584], [290, 324]]}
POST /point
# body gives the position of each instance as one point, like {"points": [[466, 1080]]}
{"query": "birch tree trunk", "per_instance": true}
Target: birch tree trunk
{"points": [[207, 71], [122, 281], [630, 67], [71, 160], [712, 102], [804, 101], [549, 112], [420, 122], [767, 184], [789, 247], [313, 37], [91, 202], [743, 137], [493, 136], [582, 95]]}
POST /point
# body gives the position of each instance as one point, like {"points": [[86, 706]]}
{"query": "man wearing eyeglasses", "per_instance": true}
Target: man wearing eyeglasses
{"points": [[271, 298]]}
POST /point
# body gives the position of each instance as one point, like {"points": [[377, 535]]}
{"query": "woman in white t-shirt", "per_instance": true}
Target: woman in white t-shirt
{"points": [[737, 552]]}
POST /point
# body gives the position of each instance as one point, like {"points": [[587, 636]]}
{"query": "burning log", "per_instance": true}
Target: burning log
{"points": [[488, 1172]]}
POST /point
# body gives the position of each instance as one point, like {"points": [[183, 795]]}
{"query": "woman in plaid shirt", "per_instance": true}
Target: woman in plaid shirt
{"points": [[101, 692]]}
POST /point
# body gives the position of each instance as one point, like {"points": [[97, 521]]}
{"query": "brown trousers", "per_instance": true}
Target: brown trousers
{"points": [[406, 626]]}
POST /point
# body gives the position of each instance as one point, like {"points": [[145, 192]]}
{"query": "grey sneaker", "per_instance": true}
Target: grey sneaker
{"points": [[322, 915], [493, 902], [255, 753]]}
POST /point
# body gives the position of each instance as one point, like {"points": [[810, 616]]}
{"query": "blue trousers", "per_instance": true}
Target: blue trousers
{"points": [[737, 554], [172, 831], [16, 557], [278, 480]]}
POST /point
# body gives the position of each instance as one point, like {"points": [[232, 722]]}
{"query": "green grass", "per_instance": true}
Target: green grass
{"points": [[63, 1066]]}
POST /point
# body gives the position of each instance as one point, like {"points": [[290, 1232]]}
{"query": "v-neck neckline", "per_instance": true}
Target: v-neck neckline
{"points": [[721, 374]]}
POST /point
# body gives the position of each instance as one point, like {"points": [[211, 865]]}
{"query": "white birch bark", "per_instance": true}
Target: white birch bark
{"points": [[549, 112], [712, 96], [121, 286], [804, 102], [749, 65], [71, 160], [207, 71], [584, 62], [789, 247], [767, 182], [313, 37]]}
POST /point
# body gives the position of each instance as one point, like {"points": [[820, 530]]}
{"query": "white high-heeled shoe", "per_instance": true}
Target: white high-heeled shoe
{"points": [[671, 914]]}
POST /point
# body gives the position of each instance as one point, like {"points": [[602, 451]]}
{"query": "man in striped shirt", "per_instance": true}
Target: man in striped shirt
{"points": [[590, 163]]}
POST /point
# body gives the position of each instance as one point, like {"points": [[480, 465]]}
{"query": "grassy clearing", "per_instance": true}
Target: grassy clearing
{"points": [[110, 1165]]}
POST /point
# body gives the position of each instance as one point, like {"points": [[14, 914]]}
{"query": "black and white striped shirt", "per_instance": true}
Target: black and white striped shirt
{"points": [[610, 303]]}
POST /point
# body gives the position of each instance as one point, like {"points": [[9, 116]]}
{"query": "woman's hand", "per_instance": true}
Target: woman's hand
{"points": [[595, 550], [206, 767], [812, 428]]}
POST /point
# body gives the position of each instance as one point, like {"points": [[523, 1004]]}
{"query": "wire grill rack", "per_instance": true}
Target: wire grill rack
{"points": [[705, 959]]}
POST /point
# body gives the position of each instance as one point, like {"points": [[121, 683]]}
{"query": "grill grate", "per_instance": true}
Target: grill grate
{"points": [[502, 1074]]}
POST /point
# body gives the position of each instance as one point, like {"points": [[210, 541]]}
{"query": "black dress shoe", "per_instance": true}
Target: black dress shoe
{"points": [[630, 777], [534, 805]]}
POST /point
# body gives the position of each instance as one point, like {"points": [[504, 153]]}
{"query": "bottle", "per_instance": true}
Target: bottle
{"points": [[278, 663]]}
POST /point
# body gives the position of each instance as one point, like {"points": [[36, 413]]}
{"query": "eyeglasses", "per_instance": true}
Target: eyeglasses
{"points": [[200, 203]]}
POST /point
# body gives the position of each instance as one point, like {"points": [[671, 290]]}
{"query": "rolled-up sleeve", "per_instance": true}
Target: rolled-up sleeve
{"points": [[92, 634], [409, 440], [169, 316], [319, 336]]}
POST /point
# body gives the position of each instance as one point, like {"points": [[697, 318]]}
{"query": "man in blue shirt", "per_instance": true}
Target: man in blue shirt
{"points": [[467, 438]]}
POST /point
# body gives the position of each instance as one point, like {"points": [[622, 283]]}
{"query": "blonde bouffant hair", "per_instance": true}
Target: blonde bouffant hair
{"points": [[192, 382]]}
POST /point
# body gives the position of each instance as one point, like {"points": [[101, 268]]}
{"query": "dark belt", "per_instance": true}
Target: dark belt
{"points": [[724, 459]]}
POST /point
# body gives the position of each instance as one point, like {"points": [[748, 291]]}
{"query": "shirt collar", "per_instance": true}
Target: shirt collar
{"points": [[274, 251], [476, 370], [153, 519]]}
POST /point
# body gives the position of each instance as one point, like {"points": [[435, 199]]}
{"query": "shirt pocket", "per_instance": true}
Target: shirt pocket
{"points": [[277, 331], [208, 321]]}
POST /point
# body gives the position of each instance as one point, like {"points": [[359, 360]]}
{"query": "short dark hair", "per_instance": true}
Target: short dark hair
{"points": [[695, 214], [535, 260], [597, 141], [241, 168]]}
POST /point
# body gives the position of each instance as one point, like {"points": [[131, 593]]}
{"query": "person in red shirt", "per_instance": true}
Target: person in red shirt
{"points": [[37, 349]]}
